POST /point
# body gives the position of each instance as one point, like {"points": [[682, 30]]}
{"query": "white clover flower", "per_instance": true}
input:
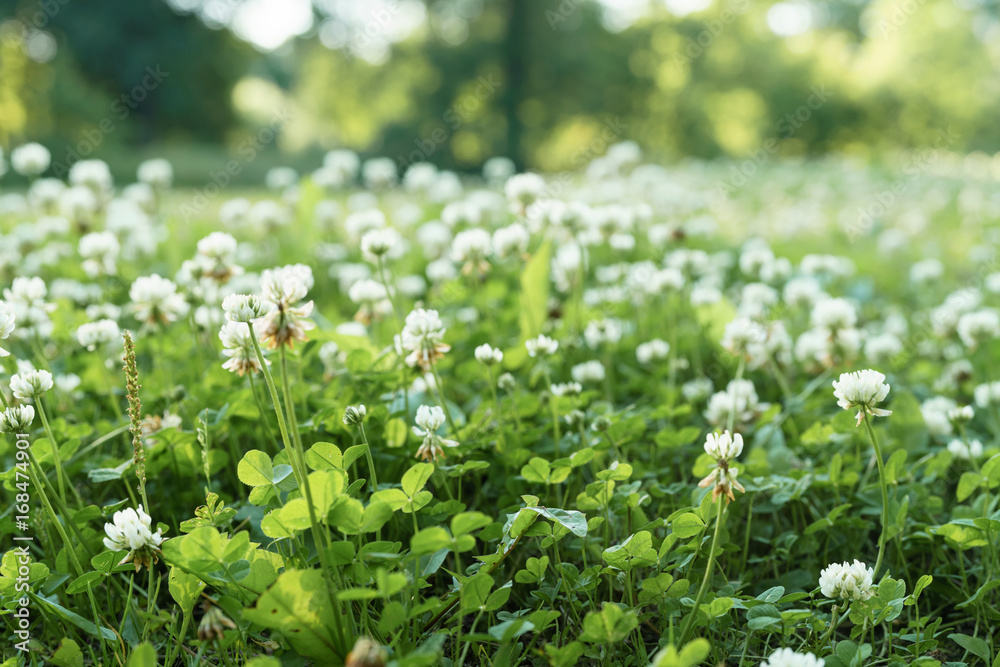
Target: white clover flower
{"points": [[961, 415], [238, 347], [420, 176], [99, 251], [155, 300], [602, 332], [653, 350], [217, 257], [523, 190], [541, 345], [44, 193], [30, 159], [936, 413], [429, 419], [488, 355], [471, 248], [156, 172], [978, 326], [511, 241], [987, 394], [723, 446], [834, 314], [16, 419], [367, 292], [379, 172], [26, 301], [588, 372], [926, 271], [342, 164], [6, 326], [77, 203], [786, 657], [566, 389], [960, 450], [744, 337], [422, 338], [130, 530], [847, 581], [93, 174], [355, 414], [285, 322], [244, 307], [372, 299], [29, 385], [379, 243], [738, 402], [863, 390], [803, 291]]}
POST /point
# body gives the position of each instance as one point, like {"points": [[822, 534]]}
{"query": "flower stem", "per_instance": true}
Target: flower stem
{"points": [[260, 408], [55, 451], [829, 631], [293, 459], [885, 493], [708, 574]]}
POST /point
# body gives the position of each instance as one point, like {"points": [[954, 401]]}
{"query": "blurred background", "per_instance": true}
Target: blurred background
{"points": [[453, 82]]}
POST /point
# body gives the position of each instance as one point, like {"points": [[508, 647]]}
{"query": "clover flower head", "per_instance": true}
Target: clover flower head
{"points": [[723, 447], [847, 581], [488, 355], [786, 657], [130, 530], [355, 414], [541, 345], [16, 419], [238, 347], [429, 419], [156, 301], [653, 350], [30, 159], [244, 307], [961, 415], [379, 243], [31, 384], [960, 449], [6, 325], [422, 338], [863, 390]]}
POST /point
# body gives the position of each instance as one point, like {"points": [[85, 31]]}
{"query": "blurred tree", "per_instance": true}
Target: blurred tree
{"points": [[171, 74]]}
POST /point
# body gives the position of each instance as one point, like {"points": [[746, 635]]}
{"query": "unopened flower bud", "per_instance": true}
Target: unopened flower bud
{"points": [[354, 414]]}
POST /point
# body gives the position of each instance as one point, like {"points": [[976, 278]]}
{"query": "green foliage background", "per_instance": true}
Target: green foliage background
{"points": [[537, 80]]}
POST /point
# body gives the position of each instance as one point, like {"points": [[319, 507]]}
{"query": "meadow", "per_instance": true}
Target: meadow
{"points": [[668, 415]]}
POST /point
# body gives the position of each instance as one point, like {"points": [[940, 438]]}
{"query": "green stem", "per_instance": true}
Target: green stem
{"points": [[472, 630], [829, 631], [885, 494], [260, 408], [303, 484], [373, 483], [55, 451], [708, 574], [178, 641]]}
